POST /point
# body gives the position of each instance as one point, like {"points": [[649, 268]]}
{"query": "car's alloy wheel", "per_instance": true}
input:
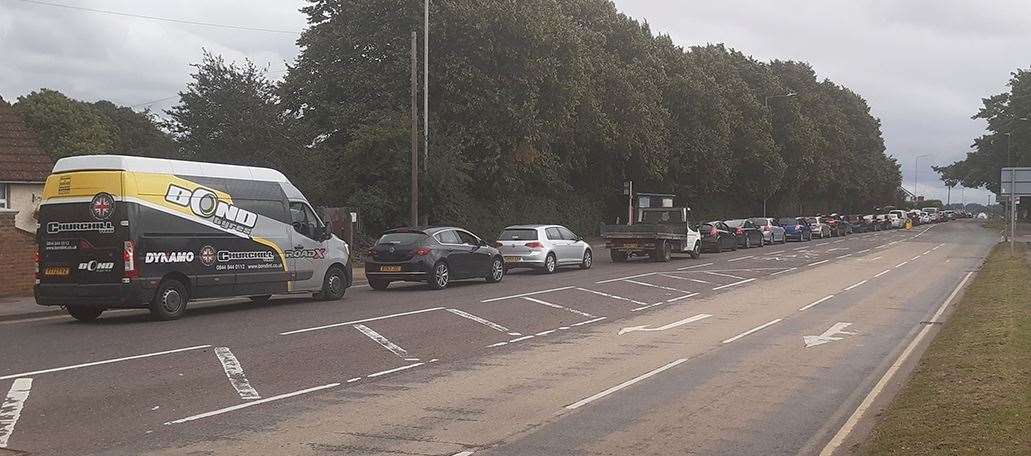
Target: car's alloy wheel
{"points": [[497, 270], [440, 277], [550, 264], [587, 261]]}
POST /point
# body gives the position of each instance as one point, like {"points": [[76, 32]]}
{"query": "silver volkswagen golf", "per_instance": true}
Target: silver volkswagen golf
{"points": [[544, 247]]}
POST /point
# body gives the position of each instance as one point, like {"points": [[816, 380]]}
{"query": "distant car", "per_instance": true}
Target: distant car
{"points": [[882, 222], [434, 255], [820, 229], [772, 233], [837, 228], [717, 237], [749, 234], [894, 220], [796, 228], [856, 223], [544, 247]]}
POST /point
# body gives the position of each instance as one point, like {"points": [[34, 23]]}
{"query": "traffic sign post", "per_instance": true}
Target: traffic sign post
{"points": [[1015, 183]]}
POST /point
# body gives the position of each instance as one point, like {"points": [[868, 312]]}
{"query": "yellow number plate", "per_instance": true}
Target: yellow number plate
{"points": [[390, 269], [630, 246], [513, 259], [57, 271]]}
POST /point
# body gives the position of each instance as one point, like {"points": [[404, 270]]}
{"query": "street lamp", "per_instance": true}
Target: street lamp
{"points": [[916, 172], [766, 101]]}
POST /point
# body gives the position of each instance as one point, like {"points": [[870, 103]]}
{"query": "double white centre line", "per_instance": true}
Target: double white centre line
{"points": [[10, 411], [234, 371]]}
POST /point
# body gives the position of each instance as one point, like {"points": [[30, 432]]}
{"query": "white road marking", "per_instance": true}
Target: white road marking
{"points": [[695, 266], [821, 244], [882, 272], [740, 258], [827, 336], [681, 297], [464, 453], [753, 330], [386, 343], [863, 251], [722, 275], [635, 276], [364, 320], [926, 252], [646, 284], [482, 321], [781, 272], [809, 306], [545, 333], [690, 279], [845, 255], [818, 263], [802, 248], [850, 424], [915, 258], [854, 285], [938, 246], [901, 264], [251, 404], [538, 301], [10, 411], [396, 369], [234, 371], [106, 361], [666, 326], [876, 258], [526, 294], [733, 284], [520, 339], [588, 400], [779, 251], [588, 321], [352, 380], [649, 306], [610, 296]]}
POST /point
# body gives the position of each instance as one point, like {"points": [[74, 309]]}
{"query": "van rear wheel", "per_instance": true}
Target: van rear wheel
{"points": [[84, 313], [169, 302]]}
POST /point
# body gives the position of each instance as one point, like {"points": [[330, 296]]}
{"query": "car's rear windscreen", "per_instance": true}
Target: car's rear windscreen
{"points": [[519, 234], [787, 221], [402, 239]]}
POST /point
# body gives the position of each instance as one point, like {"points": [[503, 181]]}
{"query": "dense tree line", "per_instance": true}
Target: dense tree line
{"points": [[1005, 143], [539, 111]]}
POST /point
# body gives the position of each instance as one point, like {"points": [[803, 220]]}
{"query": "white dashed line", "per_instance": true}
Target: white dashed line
{"points": [[901, 264], [526, 294], [588, 400], [106, 361], [646, 284], [538, 301], [845, 255], [722, 275], [926, 253], [234, 371], [482, 321], [649, 306], [818, 263], [809, 306], [251, 404], [690, 279], [882, 273], [915, 258], [863, 251], [740, 258], [695, 266], [682, 297], [10, 411], [781, 272], [352, 380], [854, 285], [588, 321], [753, 330], [386, 343], [740, 282], [396, 369]]}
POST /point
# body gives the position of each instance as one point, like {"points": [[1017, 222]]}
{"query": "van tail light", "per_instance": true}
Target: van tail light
{"points": [[534, 245], [739, 232], [129, 257], [422, 251]]}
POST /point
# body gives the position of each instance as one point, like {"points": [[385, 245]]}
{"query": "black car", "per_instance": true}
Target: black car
{"points": [[748, 233], [717, 237], [435, 255]]}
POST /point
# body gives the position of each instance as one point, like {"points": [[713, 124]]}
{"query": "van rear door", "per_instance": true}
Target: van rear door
{"points": [[83, 228]]}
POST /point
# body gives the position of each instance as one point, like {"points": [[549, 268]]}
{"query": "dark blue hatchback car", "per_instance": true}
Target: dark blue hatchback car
{"points": [[796, 228]]}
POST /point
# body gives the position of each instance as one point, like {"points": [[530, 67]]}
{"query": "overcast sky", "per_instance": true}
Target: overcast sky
{"points": [[923, 65]]}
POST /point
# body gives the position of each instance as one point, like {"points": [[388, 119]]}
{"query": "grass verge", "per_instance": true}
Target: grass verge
{"points": [[971, 392]]}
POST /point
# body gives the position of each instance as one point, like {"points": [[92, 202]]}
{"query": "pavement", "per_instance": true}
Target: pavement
{"points": [[762, 351]]}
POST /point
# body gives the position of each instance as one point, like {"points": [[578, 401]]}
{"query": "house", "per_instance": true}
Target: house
{"points": [[24, 166]]}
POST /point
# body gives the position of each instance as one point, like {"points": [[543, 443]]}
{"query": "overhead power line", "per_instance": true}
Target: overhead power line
{"points": [[156, 18]]}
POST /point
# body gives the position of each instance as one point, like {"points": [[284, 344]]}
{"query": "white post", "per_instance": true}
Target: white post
{"points": [[1013, 211]]}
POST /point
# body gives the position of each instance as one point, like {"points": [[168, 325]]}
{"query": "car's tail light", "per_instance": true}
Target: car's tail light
{"points": [[498, 244], [798, 227], [766, 227], [129, 257], [714, 232], [422, 251], [739, 232], [534, 245]]}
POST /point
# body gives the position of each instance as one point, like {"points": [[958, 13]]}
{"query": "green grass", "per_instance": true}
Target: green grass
{"points": [[971, 392]]}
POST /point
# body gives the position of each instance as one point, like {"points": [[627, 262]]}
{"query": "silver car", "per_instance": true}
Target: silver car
{"points": [[772, 234], [544, 247]]}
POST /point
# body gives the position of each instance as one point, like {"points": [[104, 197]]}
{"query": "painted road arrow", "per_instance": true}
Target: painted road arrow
{"points": [[828, 335], [664, 327]]}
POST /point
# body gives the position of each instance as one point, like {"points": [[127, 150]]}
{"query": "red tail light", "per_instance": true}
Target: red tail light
{"points": [[534, 245], [739, 232], [766, 227], [35, 261], [714, 232], [422, 251], [798, 227], [129, 257]]}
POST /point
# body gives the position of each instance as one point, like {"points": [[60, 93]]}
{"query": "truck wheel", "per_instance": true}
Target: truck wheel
{"points": [[169, 302], [617, 256], [663, 253], [696, 251], [82, 313]]}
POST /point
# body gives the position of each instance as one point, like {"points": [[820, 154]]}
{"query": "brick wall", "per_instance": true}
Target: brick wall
{"points": [[16, 247]]}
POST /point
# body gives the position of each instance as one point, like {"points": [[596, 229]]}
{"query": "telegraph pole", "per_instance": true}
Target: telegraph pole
{"points": [[415, 133]]}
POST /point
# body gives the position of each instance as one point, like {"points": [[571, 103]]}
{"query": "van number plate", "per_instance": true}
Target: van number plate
{"points": [[390, 269], [57, 271]]}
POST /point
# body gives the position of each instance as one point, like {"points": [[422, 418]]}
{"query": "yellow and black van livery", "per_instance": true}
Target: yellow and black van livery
{"points": [[128, 232]]}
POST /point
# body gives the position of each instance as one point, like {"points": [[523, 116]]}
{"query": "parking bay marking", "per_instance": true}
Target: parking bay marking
{"points": [[364, 320], [665, 327], [722, 275], [10, 411], [106, 361], [646, 284], [611, 296], [251, 404], [671, 276], [234, 371], [740, 258], [740, 282], [695, 266], [530, 293], [386, 343], [781, 272], [484, 322], [556, 306]]}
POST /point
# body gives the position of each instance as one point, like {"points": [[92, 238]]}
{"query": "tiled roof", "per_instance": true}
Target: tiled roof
{"points": [[21, 158]]}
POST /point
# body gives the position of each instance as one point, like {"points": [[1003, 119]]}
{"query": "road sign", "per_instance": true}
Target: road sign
{"points": [[1016, 181], [829, 335]]}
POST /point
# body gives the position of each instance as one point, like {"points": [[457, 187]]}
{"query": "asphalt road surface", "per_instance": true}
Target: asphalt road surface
{"points": [[763, 351]]}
